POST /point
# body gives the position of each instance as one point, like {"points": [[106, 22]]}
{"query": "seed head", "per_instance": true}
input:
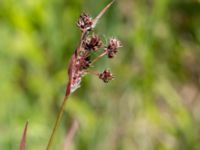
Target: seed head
{"points": [[106, 76], [85, 63], [112, 47], [85, 22], [92, 43]]}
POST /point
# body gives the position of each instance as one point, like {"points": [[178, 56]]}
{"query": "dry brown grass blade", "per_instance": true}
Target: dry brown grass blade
{"points": [[101, 14], [23, 141], [70, 135]]}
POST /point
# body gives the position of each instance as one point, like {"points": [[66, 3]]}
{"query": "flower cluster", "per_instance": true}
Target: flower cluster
{"points": [[92, 43], [106, 76], [84, 22], [112, 47], [90, 46]]}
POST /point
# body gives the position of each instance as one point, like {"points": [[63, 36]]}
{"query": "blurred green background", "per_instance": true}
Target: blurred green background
{"points": [[154, 101]]}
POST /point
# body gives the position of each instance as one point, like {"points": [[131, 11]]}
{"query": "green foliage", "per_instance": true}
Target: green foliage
{"points": [[154, 101]]}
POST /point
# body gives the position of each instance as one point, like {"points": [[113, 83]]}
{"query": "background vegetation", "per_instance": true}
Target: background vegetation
{"points": [[154, 101]]}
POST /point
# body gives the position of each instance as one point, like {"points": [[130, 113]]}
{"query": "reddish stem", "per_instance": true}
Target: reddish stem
{"points": [[23, 141]]}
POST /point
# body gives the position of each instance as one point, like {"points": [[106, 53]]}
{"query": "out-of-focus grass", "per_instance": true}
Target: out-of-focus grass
{"points": [[152, 104]]}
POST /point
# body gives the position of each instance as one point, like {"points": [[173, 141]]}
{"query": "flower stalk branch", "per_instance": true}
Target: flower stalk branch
{"points": [[98, 57]]}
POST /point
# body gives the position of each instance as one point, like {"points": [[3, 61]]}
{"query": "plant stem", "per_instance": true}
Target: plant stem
{"points": [[68, 91], [57, 122], [92, 72]]}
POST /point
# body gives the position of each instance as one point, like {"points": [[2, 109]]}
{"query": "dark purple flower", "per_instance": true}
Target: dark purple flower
{"points": [[85, 22], [85, 63], [112, 47], [106, 76], [92, 43]]}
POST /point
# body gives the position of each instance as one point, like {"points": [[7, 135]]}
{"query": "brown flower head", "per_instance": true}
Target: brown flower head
{"points": [[106, 76], [85, 63], [85, 22], [112, 47], [92, 43]]}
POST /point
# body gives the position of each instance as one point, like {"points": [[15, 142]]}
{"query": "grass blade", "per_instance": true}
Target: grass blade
{"points": [[23, 141], [70, 135]]}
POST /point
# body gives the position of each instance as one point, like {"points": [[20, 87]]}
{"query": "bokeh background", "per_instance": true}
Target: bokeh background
{"points": [[154, 101]]}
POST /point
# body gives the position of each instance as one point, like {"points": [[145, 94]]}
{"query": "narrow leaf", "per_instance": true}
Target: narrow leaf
{"points": [[70, 135], [101, 14], [23, 141]]}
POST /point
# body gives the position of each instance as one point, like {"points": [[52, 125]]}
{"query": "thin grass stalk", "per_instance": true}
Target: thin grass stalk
{"points": [[68, 91], [57, 122]]}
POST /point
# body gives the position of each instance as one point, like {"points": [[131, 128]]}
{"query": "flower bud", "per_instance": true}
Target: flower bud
{"points": [[92, 43], [112, 47], [106, 76], [85, 22], [85, 63]]}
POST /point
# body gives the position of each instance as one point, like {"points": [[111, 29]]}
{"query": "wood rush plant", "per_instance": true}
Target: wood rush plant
{"points": [[81, 61]]}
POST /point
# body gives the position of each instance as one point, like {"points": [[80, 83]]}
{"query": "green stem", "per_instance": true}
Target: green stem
{"points": [[57, 122]]}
